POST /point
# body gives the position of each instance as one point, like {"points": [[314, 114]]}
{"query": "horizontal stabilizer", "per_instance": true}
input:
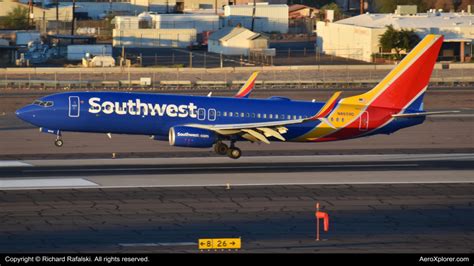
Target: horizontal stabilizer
{"points": [[423, 114]]}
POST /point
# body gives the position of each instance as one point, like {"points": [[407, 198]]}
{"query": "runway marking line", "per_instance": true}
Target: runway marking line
{"points": [[14, 164], [221, 168], [45, 183], [157, 244]]}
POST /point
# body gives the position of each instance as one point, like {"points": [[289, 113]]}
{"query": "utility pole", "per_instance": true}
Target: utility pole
{"points": [[215, 6], [73, 17], [253, 14], [361, 7], [30, 13], [57, 17]]}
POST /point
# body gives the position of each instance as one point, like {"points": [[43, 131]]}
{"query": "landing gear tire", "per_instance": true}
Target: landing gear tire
{"points": [[234, 153], [59, 143], [221, 148]]}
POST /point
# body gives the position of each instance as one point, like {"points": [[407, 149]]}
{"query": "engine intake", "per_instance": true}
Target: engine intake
{"points": [[182, 136]]}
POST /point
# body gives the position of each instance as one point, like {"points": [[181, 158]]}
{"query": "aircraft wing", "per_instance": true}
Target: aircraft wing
{"points": [[255, 132]]}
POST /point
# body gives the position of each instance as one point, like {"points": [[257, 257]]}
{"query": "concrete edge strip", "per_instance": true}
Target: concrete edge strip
{"points": [[224, 185]]}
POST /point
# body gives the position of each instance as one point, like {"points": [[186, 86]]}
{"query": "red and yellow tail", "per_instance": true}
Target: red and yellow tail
{"points": [[407, 80], [403, 86]]}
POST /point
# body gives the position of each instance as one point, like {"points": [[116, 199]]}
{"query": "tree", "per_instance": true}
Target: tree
{"points": [[398, 40], [463, 5], [332, 6], [446, 5], [389, 6], [17, 19]]}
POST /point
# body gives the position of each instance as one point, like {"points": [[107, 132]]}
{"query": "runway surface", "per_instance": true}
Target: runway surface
{"points": [[377, 203]]}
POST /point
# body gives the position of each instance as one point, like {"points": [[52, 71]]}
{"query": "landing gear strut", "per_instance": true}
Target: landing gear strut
{"points": [[59, 141]]}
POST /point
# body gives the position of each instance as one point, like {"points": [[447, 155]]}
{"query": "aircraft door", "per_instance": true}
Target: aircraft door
{"points": [[364, 121], [74, 106]]}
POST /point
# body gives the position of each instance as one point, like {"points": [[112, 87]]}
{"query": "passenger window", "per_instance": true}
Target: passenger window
{"points": [[218, 113], [301, 117], [264, 115], [211, 114], [270, 116], [201, 114], [247, 114], [276, 116], [236, 114], [253, 115], [231, 114], [294, 116], [258, 115], [225, 113], [288, 117]]}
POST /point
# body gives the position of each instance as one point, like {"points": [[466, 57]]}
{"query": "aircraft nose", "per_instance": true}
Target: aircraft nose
{"points": [[25, 113]]}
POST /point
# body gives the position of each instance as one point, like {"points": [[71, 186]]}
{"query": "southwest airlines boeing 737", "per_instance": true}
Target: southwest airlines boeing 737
{"points": [[203, 122]]}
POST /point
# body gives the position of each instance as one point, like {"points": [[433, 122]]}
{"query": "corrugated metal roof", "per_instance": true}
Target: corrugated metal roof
{"points": [[421, 20], [296, 7], [230, 32]]}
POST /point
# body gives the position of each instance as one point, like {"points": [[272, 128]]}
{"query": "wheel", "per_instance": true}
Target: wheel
{"points": [[58, 143], [221, 148], [234, 153]]}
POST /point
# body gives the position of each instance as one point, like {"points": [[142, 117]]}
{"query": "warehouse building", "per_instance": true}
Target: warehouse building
{"points": [[98, 9], [201, 22], [162, 30], [38, 13], [236, 41], [152, 38], [268, 18], [358, 37]]}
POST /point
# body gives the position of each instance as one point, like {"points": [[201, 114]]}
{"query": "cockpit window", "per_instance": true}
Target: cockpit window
{"points": [[43, 103]]}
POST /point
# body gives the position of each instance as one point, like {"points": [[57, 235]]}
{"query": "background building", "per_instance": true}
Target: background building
{"points": [[39, 14], [358, 37], [268, 18], [236, 41], [154, 38]]}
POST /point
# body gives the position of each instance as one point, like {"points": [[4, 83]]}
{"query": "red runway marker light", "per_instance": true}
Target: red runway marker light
{"points": [[325, 216]]}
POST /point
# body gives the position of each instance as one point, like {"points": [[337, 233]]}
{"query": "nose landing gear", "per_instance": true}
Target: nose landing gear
{"points": [[59, 142]]}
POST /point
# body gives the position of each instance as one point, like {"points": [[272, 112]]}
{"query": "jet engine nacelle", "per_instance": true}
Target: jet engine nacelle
{"points": [[183, 136]]}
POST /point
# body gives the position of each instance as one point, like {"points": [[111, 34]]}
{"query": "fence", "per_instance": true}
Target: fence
{"points": [[202, 79], [166, 57], [101, 29]]}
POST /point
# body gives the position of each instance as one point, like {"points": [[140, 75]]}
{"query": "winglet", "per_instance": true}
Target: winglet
{"points": [[327, 108], [247, 88]]}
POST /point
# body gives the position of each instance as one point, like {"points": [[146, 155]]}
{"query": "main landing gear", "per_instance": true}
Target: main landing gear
{"points": [[232, 151]]}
